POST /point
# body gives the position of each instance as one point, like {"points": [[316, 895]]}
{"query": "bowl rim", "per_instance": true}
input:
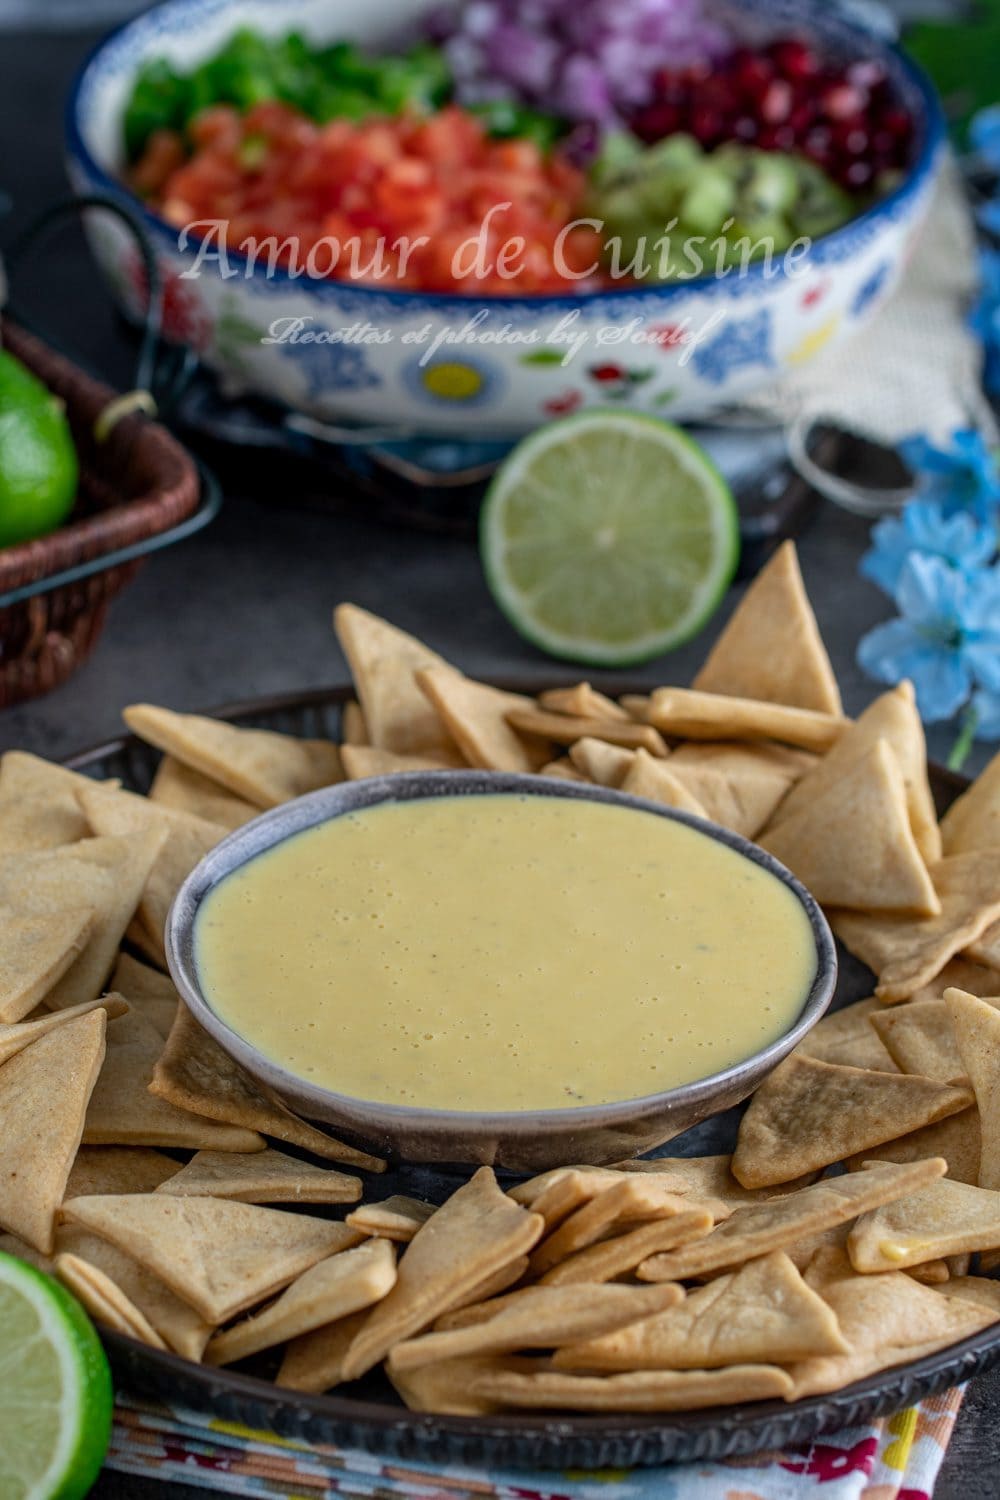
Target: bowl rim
{"points": [[931, 123], [303, 813]]}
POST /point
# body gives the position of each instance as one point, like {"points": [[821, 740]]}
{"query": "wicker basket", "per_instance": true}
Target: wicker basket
{"points": [[138, 489]]}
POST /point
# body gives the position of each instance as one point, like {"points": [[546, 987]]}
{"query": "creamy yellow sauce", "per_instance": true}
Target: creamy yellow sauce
{"points": [[503, 953]]}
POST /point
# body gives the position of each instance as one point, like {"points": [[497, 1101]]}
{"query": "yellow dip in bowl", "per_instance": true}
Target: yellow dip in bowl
{"points": [[503, 952]]}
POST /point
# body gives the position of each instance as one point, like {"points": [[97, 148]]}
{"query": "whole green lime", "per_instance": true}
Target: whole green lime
{"points": [[38, 464]]}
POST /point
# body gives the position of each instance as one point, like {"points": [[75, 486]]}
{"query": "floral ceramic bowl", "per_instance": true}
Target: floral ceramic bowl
{"points": [[463, 365]]}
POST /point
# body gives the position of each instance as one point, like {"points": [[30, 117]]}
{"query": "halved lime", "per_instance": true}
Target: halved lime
{"points": [[608, 537], [55, 1389]]}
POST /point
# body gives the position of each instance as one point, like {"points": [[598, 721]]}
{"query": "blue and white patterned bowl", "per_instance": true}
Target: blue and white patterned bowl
{"points": [[504, 376]]}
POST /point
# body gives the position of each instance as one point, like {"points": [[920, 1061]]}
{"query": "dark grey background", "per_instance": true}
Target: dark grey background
{"points": [[245, 608]]}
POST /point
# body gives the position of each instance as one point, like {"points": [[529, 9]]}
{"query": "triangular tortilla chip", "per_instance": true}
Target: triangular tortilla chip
{"points": [[334, 1289], [946, 1218], [35, 952], [762, 1227], [971, 822], [739, 797], [107, 874], [266, 1177], [957, 1139], [566, 730], [583, 702], [985, 949], [476, 1232], [563, 768], [761, 1314], [907, 954], [118, 1169], [183, 789], [709, 1178], [476, 717], [961, 974], [43, 1099], [635, 1199], [104, 1301], [887, 1319], [605, 764], [353, 729], [14, 1039], [771, 647], [538, 1318], [314, 1361], [892, 717], [847, 1036], [38, 807], [195, 1073], [186, 841], [361, 761], [397, 1218], [685, 714], [256, 764], [977, 1032], [147, 991], [654, 780], [123, 1111], [851, 844], [565, 1192], [383, 661], [808, 1114], [921, 1039], [534, 1189], [125, 1289], [446, 1388], [639, 1390], [219, 1257], [491, 1286], [612, 1258], [978, 1289]]}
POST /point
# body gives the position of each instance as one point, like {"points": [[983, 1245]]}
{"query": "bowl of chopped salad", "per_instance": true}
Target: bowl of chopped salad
{"points": [[474, 217]]}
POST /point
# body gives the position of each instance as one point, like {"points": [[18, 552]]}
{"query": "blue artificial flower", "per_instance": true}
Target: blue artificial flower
{"points": [[947, 639], [962, 477], [986, 707], [923, 526], [984, 319], [984, 136]]}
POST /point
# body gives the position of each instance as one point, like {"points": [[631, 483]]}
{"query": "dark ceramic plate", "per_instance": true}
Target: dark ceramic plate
{"points": [[369, 1415]]}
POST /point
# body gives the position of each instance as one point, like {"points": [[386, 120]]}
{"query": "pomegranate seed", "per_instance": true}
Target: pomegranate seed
{"points": [[858, 174], [841, 101], [776, 103]]}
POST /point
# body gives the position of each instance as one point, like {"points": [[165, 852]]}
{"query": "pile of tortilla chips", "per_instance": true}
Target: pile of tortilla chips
{"points": [[853, 1228]]}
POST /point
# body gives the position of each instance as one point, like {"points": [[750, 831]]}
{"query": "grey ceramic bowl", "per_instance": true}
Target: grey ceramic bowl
{"points": [[521, 1141]]}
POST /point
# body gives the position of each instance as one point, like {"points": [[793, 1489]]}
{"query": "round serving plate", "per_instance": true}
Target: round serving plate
{"points": [[368, 1414]]}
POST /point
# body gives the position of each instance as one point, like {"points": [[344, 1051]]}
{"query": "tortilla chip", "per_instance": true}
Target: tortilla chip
{"points": [[906, 954], [118, 1169], [978, 1289], [195, 1073], [334, 1289], [771, 648], [930, 1273], [683, 713], [612, 1258], [314, 1361], [566, 730], [709, 1177], [892, 717], [654, 780], [605, 764], [635, 1199], [563, 769], [971, 822], [808, 1114], [476, 717], [361, 761], [255, 764], [582, 702], [946, 1218], [739, 757], [476, 1232], [265, 1177], [762, 1227], [531, 1192], [219, 1257], [446, 1388], [977, 1032], [43, 1099], [182, 789], [383, 661], [106, 874], [636, 705], [123, 1111], [961, 974], [741, 798], [14, 1039], [847, 1036], [12, 1244], [985, 949], [538, 1318], [761, 1314], [397, 1218], [35, 953], [639, 1390], [921, 1039], [957, 1139], [353, 729], [491, 1286], [104, 1301], [887, 1319], [851, 844], [185, 842], [565, 1193], [38, 806], [147, 991]]}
